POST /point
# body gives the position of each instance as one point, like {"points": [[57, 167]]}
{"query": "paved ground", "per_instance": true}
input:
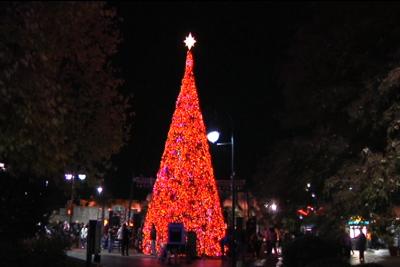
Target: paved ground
{"points": [[116, 260], [380, 256], [134, 259]]}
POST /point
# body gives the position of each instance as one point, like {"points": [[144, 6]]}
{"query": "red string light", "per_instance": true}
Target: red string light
{"points": [[185, 190]]}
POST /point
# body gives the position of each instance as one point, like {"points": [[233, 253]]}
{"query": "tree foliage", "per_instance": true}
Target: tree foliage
{"points": [[341, 114], [60, 109]]}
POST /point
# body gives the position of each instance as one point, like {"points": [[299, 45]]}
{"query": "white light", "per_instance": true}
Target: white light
{"points": [[313, 195], [47, 183], [274, 207], [68, 176], [82, 176], [99, 189], [350, 188], [189, 41], [213, 136], [2, 166], [308, 185]]}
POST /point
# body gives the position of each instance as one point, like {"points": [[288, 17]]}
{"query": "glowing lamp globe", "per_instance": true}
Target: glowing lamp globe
{"points": [[213, 136], [274, 207], [99, 189], [82, 176], [185, 190]]}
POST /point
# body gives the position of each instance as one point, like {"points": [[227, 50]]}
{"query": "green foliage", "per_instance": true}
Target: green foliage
{"points": [[342, 114], [38, 251], [45, 251], [60, 109]]}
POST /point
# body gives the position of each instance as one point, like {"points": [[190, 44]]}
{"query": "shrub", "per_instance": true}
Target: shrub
{"points": [[308, 250], [39, 251], [45, 251]]}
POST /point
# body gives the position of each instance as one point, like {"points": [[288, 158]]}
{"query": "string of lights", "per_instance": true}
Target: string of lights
{"points": [[185, 190]]}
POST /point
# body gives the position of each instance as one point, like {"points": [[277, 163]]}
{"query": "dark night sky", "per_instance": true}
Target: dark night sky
{"points": [[236, 54]]}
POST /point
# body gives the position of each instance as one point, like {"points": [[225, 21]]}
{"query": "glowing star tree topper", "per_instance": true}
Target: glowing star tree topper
{"points": [[189, 41], [185, 190]]}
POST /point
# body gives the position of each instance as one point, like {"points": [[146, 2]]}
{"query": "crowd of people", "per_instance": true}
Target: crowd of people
{"points": [[74, 234], [115, 238], [121, 238], [266, 242]]}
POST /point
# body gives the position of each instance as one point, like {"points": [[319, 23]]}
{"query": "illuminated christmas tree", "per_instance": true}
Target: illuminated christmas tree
{"points": [[185, 190]]}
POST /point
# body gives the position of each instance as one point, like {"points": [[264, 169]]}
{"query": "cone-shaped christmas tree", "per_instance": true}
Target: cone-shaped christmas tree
{"points": [[185, 190]]}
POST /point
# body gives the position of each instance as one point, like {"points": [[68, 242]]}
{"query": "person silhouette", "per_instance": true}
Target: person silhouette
{"points": [[125, 240], [153, 237], [361, 245]]}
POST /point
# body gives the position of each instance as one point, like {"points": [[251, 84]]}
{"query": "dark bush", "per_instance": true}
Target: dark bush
{"points": [[307, 251], [46, 252], [39, 251], [335, 262], [369, 265]]}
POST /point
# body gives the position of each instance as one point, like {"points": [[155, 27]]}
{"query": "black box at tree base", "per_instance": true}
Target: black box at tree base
{"points": [[93, 241]]}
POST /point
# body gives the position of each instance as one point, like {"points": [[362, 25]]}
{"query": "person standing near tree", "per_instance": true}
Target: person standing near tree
{"points": [[153, 237]]}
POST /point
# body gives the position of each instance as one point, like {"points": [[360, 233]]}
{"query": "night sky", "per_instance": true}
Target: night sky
{"points": [[239, 46]]}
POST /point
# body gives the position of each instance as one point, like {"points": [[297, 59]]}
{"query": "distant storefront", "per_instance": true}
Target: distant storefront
{"points": [[115, 212], [356, 225]]}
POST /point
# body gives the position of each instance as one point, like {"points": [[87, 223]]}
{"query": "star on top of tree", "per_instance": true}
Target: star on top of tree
{"points": [[189, 41]]}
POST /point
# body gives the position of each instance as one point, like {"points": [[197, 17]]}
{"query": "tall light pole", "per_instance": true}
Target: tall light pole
{"points": [[213, 137], [71, 177], [100, 190], [130, 202]]}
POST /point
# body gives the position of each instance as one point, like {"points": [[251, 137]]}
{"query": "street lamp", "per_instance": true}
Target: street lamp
{"points": [[99, 190], [71, 177], [213, 137], [274, 207], [101, 197]]}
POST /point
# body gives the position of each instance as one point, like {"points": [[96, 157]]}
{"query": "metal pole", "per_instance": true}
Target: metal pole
{"points": [[72, 199], [130, 201], [233, 202], [103, 204], [102, 212]]}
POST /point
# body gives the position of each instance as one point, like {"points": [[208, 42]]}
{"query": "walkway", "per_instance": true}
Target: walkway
{"points": [[380, 256], [116, 260]]}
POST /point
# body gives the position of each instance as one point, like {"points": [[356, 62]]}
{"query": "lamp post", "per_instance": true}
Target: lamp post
{"points": [[101, 197], [213, 138], [72, 177]]}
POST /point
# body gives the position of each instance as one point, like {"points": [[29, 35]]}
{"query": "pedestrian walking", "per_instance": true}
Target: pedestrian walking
{"points": [[361, 245], [111, 237], [125, 240], [138, 241], [224, 242], [267, 240], [273, 240], [83, 236], [348, 250]]}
